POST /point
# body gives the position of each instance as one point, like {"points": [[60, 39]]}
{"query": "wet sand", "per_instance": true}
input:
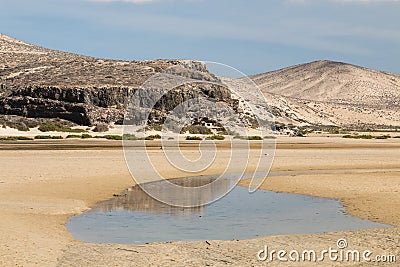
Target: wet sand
{"points": [[43, 183]]}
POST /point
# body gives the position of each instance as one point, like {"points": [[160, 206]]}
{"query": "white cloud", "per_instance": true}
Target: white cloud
{"points": [[318, 33]]}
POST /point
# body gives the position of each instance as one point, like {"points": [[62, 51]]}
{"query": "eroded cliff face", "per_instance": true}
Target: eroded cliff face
{"points": [[40, 83], [84, 106], [88, 106]]}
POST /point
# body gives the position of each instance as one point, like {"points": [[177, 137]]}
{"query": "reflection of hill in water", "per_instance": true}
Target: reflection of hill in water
{"points": [[135, 199]]}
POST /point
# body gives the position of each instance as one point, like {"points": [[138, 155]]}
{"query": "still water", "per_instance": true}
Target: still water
{"points": [[134, 217]]}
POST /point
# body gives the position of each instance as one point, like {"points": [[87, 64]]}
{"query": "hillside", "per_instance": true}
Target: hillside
{"points": [[37, 82], [332, 93]]}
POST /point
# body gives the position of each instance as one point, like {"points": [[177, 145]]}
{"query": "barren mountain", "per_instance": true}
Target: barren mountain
{"points": [[332, 93]]}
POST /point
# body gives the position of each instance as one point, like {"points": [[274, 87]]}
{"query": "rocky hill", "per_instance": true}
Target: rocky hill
{"points": [[332, 93], [41, 83]]}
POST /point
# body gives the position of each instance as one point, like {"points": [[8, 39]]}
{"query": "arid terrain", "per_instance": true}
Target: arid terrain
{"points": [[332, 93], [48, 94], [43, 183], [36, 82]]}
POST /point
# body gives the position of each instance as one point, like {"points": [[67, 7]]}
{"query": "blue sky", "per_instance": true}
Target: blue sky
{"points": [[252, 36]]}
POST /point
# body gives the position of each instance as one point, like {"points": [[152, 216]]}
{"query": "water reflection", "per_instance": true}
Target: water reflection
{"points": [[136, 199], [134, 217]]}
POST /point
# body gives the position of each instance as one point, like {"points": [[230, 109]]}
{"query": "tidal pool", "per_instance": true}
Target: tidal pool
{"points": [[135, 218]]}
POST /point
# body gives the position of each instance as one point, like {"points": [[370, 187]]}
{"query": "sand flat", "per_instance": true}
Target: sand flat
{"points": [[40, 187]]}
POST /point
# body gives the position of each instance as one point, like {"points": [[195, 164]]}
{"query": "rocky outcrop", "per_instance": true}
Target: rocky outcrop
{"points": [[40, 83], [84, 106]]}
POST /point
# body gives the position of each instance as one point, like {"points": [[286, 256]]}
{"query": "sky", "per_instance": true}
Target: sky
{"points": [[253, 36]]}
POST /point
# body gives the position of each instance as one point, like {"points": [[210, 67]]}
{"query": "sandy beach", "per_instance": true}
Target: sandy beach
{"points": [[42, 184]]}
